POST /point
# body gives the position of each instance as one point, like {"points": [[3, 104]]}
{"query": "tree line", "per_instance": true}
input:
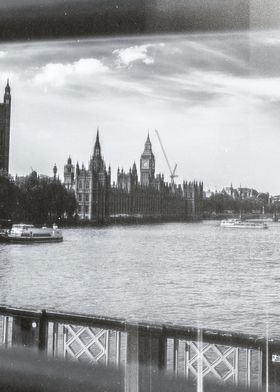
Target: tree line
{"points": [[35, 200], [39, 200], [221, 202]]}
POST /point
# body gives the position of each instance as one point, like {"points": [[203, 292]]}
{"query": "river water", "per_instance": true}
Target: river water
{"points": [[194, 274]]}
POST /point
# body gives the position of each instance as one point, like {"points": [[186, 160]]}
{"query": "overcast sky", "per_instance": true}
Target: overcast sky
{"points": [[213, 97]]}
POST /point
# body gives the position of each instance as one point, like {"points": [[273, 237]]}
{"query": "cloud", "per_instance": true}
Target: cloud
{"points": [[133, 54], [3, 54], [201, 86], [57, 74], [217, 53], [260, 88], [128, 86], [212, 90]]}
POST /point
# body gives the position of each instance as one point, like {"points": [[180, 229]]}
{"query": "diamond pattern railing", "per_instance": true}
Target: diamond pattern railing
{"points": [[73, 342], [86, 343], [196, 355], [207, 361], [216, 362]]}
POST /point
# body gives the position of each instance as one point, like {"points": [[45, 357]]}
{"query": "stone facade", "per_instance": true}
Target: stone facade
{"points": [[151, 198], [5, 116]]}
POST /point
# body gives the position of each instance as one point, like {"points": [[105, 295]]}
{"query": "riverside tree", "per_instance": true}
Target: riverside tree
{"points": [[35, 199], [220, 202], [9, 198]]}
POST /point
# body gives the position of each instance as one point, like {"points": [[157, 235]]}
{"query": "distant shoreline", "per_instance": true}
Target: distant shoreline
{"points": [[249, 215], [127, 221], [145, 220]]}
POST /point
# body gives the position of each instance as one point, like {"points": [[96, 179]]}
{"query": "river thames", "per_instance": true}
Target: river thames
{"points": [[192, 274]]}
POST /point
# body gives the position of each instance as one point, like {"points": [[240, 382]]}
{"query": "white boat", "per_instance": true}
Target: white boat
{"points": [[240, 224], [24, 233]]}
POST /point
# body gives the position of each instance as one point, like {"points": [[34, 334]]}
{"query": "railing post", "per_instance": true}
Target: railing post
{"points": [[118, 349], [132, 361], [43, 332], [274, 368], [25, 332], [5, 333], [200, 360], [267, 374], [175, 356], [55, 339], [30, 331], [146, 356]]}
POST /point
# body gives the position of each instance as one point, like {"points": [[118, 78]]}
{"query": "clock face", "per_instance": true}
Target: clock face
{"points": [[145, 164]]}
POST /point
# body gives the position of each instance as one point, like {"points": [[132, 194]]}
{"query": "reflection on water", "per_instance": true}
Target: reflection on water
{"points": [[192, 274]]}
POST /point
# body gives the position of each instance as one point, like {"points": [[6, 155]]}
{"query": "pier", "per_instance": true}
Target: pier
{"points": [[140, 354]]}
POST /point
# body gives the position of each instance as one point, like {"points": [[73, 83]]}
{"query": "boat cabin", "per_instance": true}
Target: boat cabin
{"points": [[24, 230]]}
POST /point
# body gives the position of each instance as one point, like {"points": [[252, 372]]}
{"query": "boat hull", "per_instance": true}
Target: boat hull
{"points": [[27, 240], [238, 224], [245, 227], [23, 233]]}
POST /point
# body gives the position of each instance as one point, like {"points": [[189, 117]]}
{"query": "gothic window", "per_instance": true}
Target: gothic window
{"points": [[87, 197], [86, 209], [87, 184], [80, 184], [80, 197]]}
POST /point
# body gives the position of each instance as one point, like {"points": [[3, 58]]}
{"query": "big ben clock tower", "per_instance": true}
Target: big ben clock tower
{"points": [[147, 164]]}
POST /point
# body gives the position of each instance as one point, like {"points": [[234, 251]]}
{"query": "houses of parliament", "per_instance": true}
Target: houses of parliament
{"points": [[144, 197], [148, 197]]}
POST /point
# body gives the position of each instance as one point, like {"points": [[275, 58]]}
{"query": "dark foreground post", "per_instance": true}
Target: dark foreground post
{"points": [[25, 332], [146, 356], [30, 331], [271, 367], [43, 332], [274, 367]]}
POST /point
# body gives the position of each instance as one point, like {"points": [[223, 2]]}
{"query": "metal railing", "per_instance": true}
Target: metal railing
{"points": [[196, 355]]}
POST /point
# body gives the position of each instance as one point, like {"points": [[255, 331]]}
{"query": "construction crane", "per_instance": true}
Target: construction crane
{"points": [[172, 172]]}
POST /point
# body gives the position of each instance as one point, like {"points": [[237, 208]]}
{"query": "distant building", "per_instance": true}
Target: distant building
{"points": [[207, 194], [21, 181], [241, 193], [5, 118], [230, 191], [69, 175], [99, 200], [247, 193], [275, 199]]}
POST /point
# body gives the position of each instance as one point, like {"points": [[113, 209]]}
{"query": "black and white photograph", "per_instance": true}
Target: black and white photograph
{"points": [[139, 195]]}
